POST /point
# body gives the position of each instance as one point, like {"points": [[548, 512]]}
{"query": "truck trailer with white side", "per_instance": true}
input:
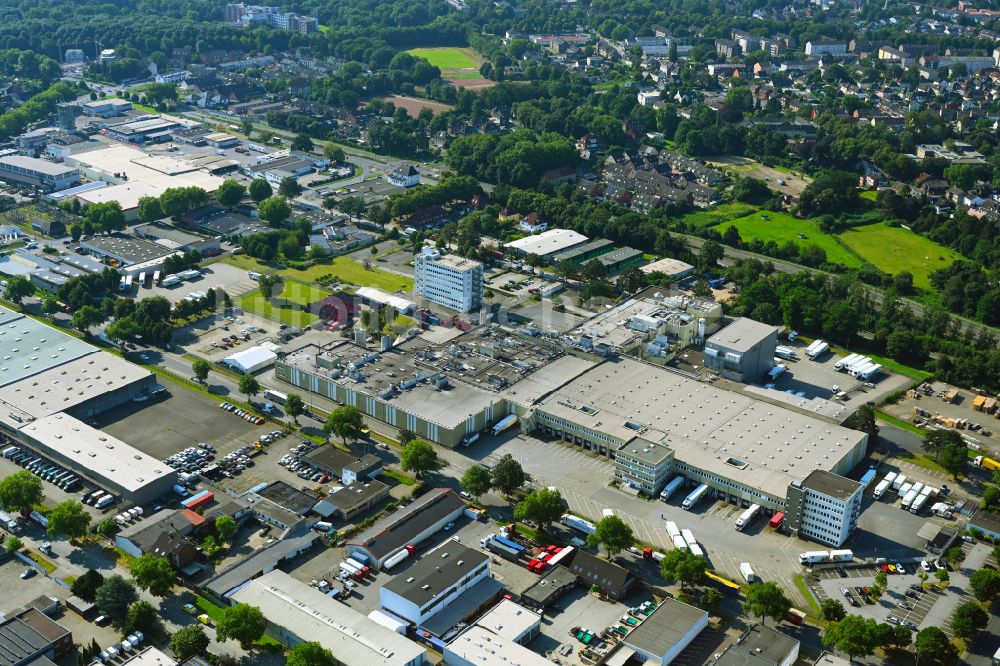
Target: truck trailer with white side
{"points": [[747, 517]]}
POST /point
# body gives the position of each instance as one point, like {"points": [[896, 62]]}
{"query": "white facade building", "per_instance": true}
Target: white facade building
{"points": [[433, 582], [448, 280], [823, 507]]}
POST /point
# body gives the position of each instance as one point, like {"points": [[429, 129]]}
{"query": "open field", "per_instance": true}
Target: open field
{"points": [[791, 183], [343, 268], [782, 227], [471, 83], [894, 249], [448, 57], [710, 217], [414, 105], [254, 302]]}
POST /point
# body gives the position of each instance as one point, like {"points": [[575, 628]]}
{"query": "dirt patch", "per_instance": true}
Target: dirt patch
{"points": [[413, 105], [477, 83], [791, 183]]}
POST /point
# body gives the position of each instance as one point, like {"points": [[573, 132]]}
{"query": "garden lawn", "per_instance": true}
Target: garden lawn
{"points": [[343, 268], [782, 227], [446, 58], [894, 250]]}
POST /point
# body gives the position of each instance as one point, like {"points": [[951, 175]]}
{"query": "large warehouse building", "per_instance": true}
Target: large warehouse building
{"points": [[49, 381], [654, 422]]}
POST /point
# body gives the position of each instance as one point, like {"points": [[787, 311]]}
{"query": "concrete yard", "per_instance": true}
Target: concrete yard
{"points": [[961, 408], [182, 419], [218, 275]]}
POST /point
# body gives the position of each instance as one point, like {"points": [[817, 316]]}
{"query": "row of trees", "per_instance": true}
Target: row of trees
{"points": [[174, 202]]}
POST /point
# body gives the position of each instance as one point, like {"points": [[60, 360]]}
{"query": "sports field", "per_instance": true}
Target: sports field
{"points": [[782, 227], [447, 57], [894, 249]]}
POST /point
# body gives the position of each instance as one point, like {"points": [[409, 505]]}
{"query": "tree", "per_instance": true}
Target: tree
{"points": [[613, 533], [542, 507], [934, 648], [508, 475], [289, 187], [942, 575], [345, 422], [190, 641], [105, 217], [18, 288], [242, 623], [833, 610], [935, 441], [767, 600], [864, 420], [226, 528], [12, 544], [230, 193], [853, 636], [86, 317], [881, 580], [302, 143], [68, 519], [985, 584], [259, 190], [968, 619], [309, 654], [334, 153], [149, 209], [991, 499], [955, 555], [711, 253], [114, 596], [249, 386], [683, 566], [419, 457], [270, 285], [711, 599], [20, 491], [295, 407], [274, 211], [476, 481], [142, 616], [406, 436], [75, 232], [955, 459], [86, 585], [201, 368], [154, 574]]}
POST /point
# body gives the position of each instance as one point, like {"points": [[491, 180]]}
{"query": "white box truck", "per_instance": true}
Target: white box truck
{"points": [[747, 572]]}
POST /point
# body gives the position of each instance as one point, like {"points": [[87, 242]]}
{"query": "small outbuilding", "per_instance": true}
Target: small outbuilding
{"points": [[251, 360]]}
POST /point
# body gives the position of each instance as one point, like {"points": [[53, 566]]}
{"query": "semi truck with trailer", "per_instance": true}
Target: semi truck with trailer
{"points": [[688, 537], [881, 489], [818, 350], [747, 517], [679, 542], [987, 463], [868, 477], [694, 497], [671, 487], [672, 529], [898, 482], [919, 502], [776, 520], [846, 361], [501, 549], [579, 524], [504, 423], [776, 371], [786, 353], [813, 345], [817, 556]]}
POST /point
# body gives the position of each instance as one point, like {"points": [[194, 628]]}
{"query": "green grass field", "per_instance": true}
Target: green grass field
{"points": [[710, 217], [255, 303], [782, 227], [893, 250], [446, 57], [345, 269]]}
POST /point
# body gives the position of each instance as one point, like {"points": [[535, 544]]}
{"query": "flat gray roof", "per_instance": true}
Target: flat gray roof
{"points": [[665, 627], [828, 483], [435, 572], [98, 451], [706, 425], [130, 249], [646, 451], [64, 387], [759, 646], [35, 164], [398, 529], [742, 335], [310, 615], [28, 347]]}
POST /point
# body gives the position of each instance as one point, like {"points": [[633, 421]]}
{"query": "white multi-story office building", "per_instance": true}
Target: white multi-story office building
{"points": [[40, 173], [823, 507], [449, 280]]}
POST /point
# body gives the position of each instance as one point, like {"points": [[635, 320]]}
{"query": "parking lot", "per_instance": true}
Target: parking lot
{"points": [[182, 419], [219, 275]]}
